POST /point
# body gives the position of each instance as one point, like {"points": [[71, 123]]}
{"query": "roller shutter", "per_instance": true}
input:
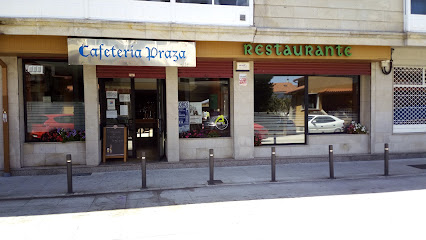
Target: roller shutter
{"points": [[124, 71], [312, 68], [208, 69]]}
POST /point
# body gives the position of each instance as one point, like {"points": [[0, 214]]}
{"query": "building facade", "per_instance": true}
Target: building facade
{"points": [[175, 78]]}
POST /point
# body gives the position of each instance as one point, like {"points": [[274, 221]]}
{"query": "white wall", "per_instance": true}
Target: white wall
{"points": [[129, 11]]}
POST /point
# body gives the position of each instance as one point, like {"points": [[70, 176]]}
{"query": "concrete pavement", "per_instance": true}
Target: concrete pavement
{"points": [[98, 183]]}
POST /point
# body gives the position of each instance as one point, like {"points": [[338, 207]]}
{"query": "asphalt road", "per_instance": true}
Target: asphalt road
{"points": [[376, 208]]}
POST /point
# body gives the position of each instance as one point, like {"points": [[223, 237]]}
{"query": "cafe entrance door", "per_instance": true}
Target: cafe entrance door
{"points": [[138, 104]]}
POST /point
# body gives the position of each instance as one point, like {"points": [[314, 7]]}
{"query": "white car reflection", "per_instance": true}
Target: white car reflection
{"points": [[324, 124]]}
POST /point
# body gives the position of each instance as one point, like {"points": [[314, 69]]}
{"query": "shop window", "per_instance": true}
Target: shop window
{"points": [[53, 95], [336, 103], [204, 107], [280, 113], [279, 116], [409, 99]]}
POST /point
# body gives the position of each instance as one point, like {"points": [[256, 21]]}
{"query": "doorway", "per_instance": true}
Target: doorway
{"points": [[139, 105]]}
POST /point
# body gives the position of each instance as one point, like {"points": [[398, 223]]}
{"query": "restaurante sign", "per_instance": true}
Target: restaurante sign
{"points": [[296, 50]]}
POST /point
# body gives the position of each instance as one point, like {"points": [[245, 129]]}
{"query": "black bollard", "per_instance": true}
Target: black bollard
{"points": [[69, 173], [273, 164], [386, 159], [211, 167], [331, 161], [143, 166]]}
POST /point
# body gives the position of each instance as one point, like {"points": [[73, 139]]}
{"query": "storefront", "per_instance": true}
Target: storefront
{"points": [[177, 100]]}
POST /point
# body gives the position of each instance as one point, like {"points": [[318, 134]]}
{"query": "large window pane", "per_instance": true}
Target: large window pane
{"points": [[53, 98], [204, 107], [333, 103], [418, 7], [279, 116]]}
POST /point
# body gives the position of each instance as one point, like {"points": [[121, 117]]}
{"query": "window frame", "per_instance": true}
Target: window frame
{"points": [[423, 85], [413, 22]]}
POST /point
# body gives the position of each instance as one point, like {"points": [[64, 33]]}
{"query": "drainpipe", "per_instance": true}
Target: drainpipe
{"points": [[5, 111]]}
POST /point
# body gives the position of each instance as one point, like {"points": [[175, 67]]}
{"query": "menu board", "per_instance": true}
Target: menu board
{"points": [[115, 142]]}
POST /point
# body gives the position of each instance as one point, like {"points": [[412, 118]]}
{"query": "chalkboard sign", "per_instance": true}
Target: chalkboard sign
{"points": [[115, 142]]}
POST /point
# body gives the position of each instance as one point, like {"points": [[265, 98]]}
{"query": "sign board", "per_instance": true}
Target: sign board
{"points": [[243, 79], [85, 51], [115, 142], [183, 116], [243, 66]]}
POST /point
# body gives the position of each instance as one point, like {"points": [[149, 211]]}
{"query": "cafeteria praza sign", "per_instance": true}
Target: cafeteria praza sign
{"points": [[86, 51]]}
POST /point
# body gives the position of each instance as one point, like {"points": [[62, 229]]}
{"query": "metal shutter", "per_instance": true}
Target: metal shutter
{"points": [[304, 68], [208, 69], [123, 72]]}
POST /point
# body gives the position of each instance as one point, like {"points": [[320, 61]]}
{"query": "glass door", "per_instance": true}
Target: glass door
{"points": [[138, 104], [115, 95]]}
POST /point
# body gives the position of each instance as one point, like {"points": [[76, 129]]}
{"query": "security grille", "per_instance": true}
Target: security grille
{"points": [[409, 98]]}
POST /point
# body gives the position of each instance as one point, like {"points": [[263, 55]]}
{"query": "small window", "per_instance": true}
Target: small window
{"points": [[418, 7]]}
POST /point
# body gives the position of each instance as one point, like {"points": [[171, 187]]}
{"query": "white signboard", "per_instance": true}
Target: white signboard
{"points": [[243, 79], [124, 110], [83, 51], [111, 114], [195, 113], [124, 97], [111, 94]]}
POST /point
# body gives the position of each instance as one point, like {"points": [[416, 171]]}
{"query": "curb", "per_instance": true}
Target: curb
{"points": [[75, 195]]}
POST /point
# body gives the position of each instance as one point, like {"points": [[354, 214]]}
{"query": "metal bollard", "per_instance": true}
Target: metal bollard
{"points": [[211, 167], [143, 166], [331, 160], [69, 173], [275, 138], [386, 159], [273, 164]]}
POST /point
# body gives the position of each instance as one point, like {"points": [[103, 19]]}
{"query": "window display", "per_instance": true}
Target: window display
{"points": [[53, 95], [204, 107]]}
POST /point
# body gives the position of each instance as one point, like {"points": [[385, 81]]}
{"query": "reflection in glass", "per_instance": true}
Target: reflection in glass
{"points": [[232, 2], [204, 107], [333, 103], [195, 1], [54, 98], [279, 117]]}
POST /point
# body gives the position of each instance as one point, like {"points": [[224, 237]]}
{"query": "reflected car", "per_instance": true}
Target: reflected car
{"points": [[261, 131], [325, 124], [53, 121]]}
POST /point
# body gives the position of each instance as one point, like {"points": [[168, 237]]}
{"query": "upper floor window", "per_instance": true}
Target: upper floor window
{"points": [[415, 16], [418, 7]]}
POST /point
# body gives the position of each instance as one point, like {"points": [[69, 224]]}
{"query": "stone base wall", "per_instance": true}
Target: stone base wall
{"points": [[318, 146], [199, 148], [53, 154]]}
